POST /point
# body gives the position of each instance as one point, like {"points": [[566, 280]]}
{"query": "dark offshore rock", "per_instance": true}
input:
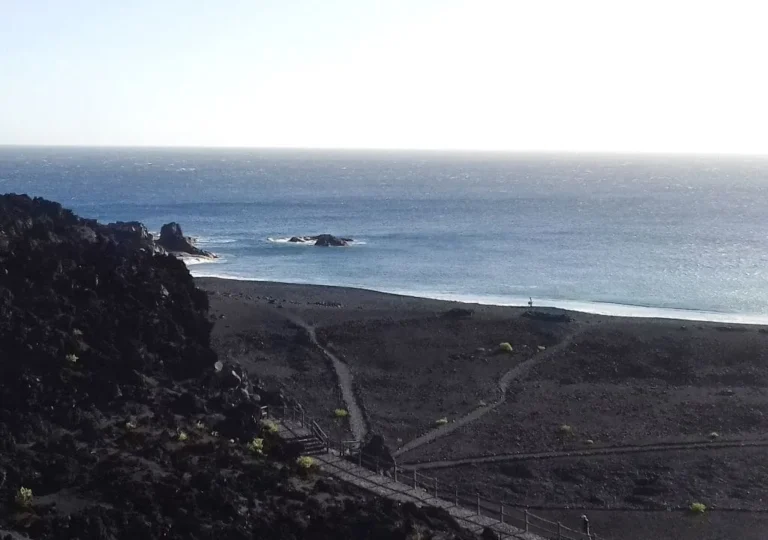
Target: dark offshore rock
{"points": [[322, 240], [173, 240], [328, 240]]}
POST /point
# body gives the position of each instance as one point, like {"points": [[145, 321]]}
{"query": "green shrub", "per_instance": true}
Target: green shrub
{"points": [[256, 446], [182, 437], [506, 348], [24, 497], [698, 508], [306, 463], [441, 421], [565, 430], [340, 413], [269, 427]]}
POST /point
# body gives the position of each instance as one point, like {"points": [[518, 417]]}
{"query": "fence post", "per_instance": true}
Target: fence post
{"points": [[395, 473], [477, 494], [527, 523], [456, 495], [559, 530], [501, 512], [414, 479]]}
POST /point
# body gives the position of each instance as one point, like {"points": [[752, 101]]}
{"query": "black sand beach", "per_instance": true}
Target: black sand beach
{"points": [[605, 387]]}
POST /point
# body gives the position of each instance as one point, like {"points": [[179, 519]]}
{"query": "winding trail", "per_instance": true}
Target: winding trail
{"points": [[357, 423], [604, 451], [504, 383]]}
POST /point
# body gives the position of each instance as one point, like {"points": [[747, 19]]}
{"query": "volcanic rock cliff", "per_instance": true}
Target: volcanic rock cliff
{"points": [[117, 421]]}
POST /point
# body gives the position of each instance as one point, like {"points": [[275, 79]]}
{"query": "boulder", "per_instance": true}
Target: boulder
{"points": [[173, 240], [376, 453], [131, 233], [328, 240]]}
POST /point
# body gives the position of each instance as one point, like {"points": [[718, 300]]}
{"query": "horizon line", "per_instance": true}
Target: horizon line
{"points": [[395, 149]]}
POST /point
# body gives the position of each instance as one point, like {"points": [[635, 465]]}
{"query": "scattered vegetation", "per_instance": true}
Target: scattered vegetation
{"points": [[24, 497], [590, 442], [72, 358], [77, 332], [306, 464], [130, 424], [340, 413], [714, 435], [269, 427], [506, 348], [256, 446], [565, 430], [182, 436], [698, 508], [441, 421], [200, 424]]}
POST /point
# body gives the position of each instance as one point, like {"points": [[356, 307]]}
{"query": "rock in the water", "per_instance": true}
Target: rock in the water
{"points": [[172, 239], [328, 240]]}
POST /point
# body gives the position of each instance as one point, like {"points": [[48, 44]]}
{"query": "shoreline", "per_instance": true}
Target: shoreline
{"points": [[605, 309]]}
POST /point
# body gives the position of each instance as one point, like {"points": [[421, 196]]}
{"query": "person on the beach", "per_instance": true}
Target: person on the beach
{"points": [[530, 302]]}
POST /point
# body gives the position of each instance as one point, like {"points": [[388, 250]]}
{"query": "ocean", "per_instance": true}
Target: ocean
{"points": [[662, 236]]}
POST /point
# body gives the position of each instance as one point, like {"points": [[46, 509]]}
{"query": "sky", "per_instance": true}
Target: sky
{"points": [[636, 76]]}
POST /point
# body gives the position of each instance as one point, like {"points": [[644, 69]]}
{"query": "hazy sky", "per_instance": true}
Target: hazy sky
{"points": [[478, 74]]}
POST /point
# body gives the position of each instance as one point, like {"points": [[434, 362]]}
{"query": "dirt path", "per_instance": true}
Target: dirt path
{"points": [[357, 423], [604, 451], [504, 383]]}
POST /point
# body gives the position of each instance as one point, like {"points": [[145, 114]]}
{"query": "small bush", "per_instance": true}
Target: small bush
{"points": [[129, 425], [182, 436], [200, 424], [72, 358], [565, 430], [340, 413], [306, 463], [24, 497], [441, 421], [714, 435], [77, 332], [698, 508], [506, 348], [269, 427], [256, 446]]}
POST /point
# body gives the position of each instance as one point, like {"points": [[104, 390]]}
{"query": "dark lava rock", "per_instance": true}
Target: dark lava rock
{"points": [[547, 316], [110, 399], [459, 313], [172, 239], [328, 240], [377, 454]]}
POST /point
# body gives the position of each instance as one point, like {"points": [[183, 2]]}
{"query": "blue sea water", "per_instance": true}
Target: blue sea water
{"points": [[666, 236]]}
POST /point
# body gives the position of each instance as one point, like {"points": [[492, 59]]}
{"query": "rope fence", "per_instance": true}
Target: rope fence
{"points": [[453, 495]]}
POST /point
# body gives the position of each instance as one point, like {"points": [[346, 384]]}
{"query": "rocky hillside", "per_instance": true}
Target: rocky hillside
{"points": [[116, 422]]}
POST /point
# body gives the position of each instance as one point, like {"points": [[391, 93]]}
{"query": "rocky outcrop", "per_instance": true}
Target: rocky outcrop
{"points": [[132, 233], [322, 240], [172, 239], [116, 413]]}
